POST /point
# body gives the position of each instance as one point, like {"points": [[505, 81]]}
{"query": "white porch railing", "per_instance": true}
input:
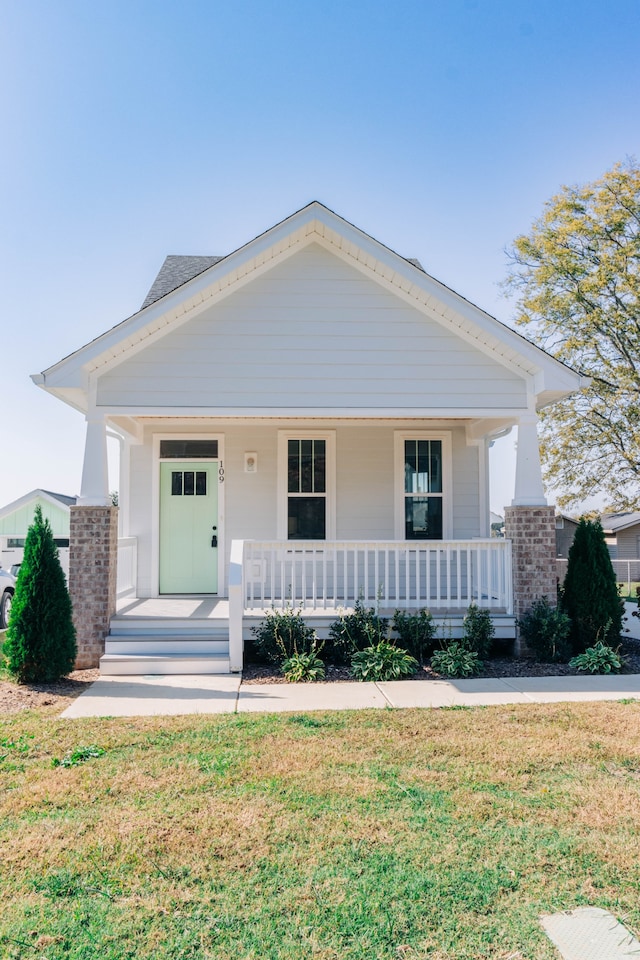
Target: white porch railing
{"points": [[322, 575], [126, 580]]}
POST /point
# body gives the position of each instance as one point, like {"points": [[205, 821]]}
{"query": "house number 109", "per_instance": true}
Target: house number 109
{"points": [[221, 472]]}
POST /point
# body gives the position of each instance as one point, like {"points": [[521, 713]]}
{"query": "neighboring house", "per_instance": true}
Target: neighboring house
{"points": [[565, 531], [17, 517], [497, 524], [305, 420], [622, 531]]}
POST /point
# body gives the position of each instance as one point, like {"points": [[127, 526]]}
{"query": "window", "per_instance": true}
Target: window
{"points": [[306, 469], [188, 449], [422, 500], [307, 489]]}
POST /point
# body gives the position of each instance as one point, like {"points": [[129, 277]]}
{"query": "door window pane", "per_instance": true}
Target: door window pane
{"points": [[176, 483], [201, 483], [188, 483]]}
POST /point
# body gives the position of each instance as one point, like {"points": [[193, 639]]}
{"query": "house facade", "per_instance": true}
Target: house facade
{"points": [[306, 421]]}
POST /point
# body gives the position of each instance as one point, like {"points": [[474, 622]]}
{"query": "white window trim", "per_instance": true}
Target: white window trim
{"points": [[447, 478], [155, 503], [283, 494]]}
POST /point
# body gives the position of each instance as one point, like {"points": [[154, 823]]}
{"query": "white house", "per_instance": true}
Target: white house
{"points": [[305, 420], [17, 517]]}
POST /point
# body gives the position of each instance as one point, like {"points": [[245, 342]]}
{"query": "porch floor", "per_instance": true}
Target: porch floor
{"points": [[217, 608]]}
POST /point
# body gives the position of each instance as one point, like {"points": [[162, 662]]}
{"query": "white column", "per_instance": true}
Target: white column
{"points": [[94, 491], [529, 490]]}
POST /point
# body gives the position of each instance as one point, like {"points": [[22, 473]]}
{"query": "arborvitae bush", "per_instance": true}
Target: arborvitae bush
{"points": [[41, 639], [590, 592]]}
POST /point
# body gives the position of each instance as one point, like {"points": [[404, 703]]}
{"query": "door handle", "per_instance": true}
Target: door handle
{"points": [[214, 540]]}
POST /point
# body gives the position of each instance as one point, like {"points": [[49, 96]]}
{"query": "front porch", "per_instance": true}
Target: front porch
{"points": [[322, 579]]}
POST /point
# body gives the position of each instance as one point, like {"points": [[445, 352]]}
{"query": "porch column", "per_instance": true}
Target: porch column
{"points": [[93, 549], [529, 488], [94, 490], [530, 525]]}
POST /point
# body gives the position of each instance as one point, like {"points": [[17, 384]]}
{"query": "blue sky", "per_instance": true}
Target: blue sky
{"points": [[135, 129]]}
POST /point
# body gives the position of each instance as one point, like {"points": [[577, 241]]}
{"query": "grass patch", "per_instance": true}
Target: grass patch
{"points": [[377, 835]]}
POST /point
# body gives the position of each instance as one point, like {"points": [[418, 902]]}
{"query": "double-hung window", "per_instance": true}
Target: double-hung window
{"points": [[306, 506], [422, 465]]}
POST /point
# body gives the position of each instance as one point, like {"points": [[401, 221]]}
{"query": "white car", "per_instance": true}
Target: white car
{"points": [[7, 587]]}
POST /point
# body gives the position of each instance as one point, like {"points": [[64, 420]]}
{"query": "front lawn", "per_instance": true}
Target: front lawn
{"points": [[387, 834]]}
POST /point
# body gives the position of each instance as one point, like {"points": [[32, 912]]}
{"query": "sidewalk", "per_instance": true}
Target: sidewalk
{"points": [[171, 696]]}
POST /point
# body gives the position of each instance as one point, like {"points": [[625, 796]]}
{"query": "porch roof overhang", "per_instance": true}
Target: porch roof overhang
{"points": [[72, 379]]}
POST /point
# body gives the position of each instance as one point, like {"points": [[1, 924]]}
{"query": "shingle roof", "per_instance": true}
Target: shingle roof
{"points": [[619, 521], [62, 497], [175, 271]]}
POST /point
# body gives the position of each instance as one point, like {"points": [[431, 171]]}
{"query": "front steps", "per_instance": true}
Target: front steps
{"points": [[144, 646]]}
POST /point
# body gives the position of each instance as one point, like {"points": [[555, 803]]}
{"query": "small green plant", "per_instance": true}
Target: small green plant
{"points": [[79, 755], [478, 631], [546, 631], [600, 658], [303, 668], [355, 631], [456, 660], [382, 661], [417, 633], [280, 635]]}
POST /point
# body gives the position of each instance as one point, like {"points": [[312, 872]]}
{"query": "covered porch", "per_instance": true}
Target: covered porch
{"points": [[322, 579]]}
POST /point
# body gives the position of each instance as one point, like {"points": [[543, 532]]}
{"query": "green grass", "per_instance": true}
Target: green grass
{"points": [[380, 835]]}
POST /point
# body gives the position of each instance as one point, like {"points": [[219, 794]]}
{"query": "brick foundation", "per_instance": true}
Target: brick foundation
{"points": [[532, 531], [93, 557]]}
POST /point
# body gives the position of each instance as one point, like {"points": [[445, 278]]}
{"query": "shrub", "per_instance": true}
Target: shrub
{"points": [[546, 631], [456, 660], [303, 667], [355, 631], [382, 661], [598, 659], [281, 635], [478, 631], [590, 593], [41, 639], [417, 633]]}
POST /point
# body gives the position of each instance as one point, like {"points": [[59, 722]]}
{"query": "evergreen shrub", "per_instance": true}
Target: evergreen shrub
{"points": [[417, 633], [590, 592], [41, 639], [546, 630], [478, 631]]}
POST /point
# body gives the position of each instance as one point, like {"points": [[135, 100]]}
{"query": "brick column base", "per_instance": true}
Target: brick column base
{"points": [[532, 531], [93, 558]]}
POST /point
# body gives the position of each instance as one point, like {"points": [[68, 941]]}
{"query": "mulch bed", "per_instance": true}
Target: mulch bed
{"points": [[15, 697]]}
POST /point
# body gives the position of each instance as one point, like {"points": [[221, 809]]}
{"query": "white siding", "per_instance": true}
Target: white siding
{"points": [[364, 481], [313, 331]]}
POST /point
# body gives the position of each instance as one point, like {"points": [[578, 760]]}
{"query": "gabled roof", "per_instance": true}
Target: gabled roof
{"points": [[187, 285], [620, 521], [57, 499]]}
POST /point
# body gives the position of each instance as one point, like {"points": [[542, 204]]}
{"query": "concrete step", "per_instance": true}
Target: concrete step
{"points": [[161, 644], [123, 665], [170, 626]]}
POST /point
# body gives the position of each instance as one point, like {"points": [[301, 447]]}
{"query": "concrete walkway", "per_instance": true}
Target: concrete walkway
{"points": [[166, 696]]}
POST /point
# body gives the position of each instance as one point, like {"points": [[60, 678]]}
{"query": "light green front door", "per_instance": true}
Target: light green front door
{"points": [[189, 527]]}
